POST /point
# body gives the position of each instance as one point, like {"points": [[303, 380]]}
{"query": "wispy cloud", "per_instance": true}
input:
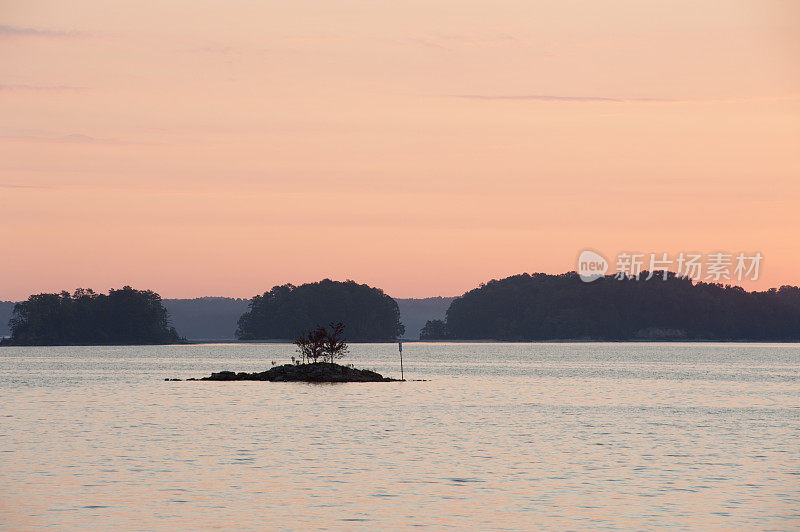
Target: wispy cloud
{"points": [[215, 48], [452, 42], [39, 88], [281, 46], [490, 38], [564, 98], [621, 99], [78, 138], [18, 186], [19, 31], [54, 137]]}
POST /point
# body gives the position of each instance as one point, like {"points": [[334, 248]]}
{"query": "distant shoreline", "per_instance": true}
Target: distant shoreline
{"points": [[582, 341], [407, 341]]}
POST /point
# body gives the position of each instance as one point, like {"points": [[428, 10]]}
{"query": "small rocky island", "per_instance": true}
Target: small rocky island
{"points": [[320, 343], [315, 372]]}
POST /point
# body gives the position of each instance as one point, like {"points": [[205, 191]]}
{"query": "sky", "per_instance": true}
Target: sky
{"points": [[199, 147]]}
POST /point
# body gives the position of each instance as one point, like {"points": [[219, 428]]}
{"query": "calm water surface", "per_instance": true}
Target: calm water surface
{"points": [[502, 437]]}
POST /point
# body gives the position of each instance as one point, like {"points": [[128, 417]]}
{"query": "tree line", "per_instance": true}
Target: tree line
{"points": [[121, 317], [129, 316], [522, 307], [550, 307]]}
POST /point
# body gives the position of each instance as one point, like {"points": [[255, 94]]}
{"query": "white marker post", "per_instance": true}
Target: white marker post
{"points": [[400, 347]]}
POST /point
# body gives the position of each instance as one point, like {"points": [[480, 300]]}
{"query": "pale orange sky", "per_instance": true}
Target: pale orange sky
{"points": [[222, 147]]}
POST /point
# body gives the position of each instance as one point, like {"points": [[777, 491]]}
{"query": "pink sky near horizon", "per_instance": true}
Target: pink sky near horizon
{"points": [[220, 148]]}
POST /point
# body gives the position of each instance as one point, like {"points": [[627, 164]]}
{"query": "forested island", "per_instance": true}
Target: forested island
{"points": [[287, 311], [526, 307], [121, 317], [562, 307], [215, 318]]}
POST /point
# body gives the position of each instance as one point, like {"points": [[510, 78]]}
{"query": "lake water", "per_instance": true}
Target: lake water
{"points": [[502, 436]]}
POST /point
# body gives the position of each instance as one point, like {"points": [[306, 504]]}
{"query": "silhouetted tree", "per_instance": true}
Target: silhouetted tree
{"points": [[334, 346], [303, 347], [433, 330], [311, 344], [322, 343]]}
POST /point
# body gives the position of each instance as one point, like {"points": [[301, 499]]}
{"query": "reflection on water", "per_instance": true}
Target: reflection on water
{"points": [[503, 436]]}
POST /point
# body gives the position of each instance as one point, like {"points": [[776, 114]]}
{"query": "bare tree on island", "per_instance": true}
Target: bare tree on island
{"points": [[303, 347], [334, 346], [310, 344], [322, 343]]}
